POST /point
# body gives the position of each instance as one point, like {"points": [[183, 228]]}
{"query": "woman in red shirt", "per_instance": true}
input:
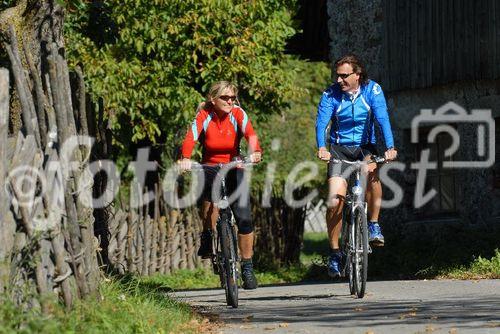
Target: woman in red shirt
{"points": [[219, 126]]}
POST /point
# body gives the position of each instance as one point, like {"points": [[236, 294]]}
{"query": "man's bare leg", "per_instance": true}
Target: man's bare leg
{"points": [[374, 200], [337, 188]]}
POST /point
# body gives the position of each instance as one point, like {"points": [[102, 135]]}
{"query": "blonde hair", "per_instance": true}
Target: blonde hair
{"points": [[215, 91]]}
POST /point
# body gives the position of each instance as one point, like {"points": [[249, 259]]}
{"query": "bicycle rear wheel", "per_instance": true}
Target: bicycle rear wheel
{"points": [[360, 263], [230, 258]]}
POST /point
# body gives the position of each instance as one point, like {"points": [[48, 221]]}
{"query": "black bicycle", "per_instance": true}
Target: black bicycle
{"points": [[354, 243], [225, 254]]}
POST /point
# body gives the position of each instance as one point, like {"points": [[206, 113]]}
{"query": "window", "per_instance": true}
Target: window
{"points": [[443, 180]]}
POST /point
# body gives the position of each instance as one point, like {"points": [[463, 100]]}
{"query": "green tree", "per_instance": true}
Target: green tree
{"points": [[152, 61], [293, 129]]}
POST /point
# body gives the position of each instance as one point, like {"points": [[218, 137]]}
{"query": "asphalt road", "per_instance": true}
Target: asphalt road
{"points": [[429, 306]]}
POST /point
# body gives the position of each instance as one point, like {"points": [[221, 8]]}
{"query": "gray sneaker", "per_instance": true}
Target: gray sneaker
{"points": [[248, 276]]}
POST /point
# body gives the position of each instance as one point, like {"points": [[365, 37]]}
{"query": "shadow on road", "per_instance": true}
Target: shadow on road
{"points": [[462, 312]]}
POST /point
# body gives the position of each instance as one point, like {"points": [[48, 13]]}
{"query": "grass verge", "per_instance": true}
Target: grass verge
{"points": [[205, 278], [125, 306], [312, 268], [479, 268]]}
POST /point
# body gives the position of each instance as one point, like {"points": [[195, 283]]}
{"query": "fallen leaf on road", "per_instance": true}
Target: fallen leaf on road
{"points": [[269, 328], [453, 331], [492, 324], [434, 317], [284, 325], [247, 327], [408, 315], [359, 309], [429, 329], [370, 332], [248, 318]]}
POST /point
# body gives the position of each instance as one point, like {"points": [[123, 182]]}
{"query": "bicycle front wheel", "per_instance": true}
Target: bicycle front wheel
{"points": [[230, 258], [360, 263], [346, 246]]}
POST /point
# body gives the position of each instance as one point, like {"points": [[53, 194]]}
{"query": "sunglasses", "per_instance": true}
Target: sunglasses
{"points": [[227, 97], [344, 75]]}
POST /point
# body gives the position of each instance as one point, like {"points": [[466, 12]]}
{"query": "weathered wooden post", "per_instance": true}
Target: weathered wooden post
{"points": [[7, 223], [58, 226]]}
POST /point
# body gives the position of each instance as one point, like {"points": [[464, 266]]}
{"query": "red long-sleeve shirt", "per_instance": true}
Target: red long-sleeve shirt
{"points": [[220, 137]]}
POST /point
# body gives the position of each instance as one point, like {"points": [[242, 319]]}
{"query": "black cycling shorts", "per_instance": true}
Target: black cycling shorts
{"points": [[240, 205], [349, 153]]}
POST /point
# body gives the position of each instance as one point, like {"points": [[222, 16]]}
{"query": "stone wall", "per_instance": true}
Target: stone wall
{"points": [[356, 27], [478, 201]]}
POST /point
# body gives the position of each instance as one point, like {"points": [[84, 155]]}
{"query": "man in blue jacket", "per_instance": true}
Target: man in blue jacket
{"points": [[351, 105]]}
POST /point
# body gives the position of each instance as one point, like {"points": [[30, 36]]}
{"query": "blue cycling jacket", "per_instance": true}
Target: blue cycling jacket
{"points": [[352, 121]]}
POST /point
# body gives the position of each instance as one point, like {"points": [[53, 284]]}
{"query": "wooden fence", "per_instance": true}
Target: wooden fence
{"points": [[47, 244], [154, 238], [47, 227], [158, 239]]}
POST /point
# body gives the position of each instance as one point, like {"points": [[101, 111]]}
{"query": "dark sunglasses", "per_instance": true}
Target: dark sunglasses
{"points": [[227, 97], [344, 75]]}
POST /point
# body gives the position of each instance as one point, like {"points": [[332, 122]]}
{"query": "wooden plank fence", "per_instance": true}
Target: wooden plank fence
{"points": [[433, 42]]}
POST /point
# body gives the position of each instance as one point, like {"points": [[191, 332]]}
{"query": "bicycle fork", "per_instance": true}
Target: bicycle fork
{"points": [[357, 202]]}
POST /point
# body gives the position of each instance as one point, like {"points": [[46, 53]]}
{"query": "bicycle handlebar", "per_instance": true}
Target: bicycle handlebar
{"points": [[236, 163], [375, 159]]}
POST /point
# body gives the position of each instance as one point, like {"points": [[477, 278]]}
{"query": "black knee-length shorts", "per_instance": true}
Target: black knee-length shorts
{"points": [[238, 193]]}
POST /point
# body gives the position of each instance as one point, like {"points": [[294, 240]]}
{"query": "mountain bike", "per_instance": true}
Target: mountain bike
{"points": [[225, 254], [354, 243]]}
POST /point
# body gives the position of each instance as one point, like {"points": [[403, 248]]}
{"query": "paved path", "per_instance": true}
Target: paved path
{"points": [[435, 306]]}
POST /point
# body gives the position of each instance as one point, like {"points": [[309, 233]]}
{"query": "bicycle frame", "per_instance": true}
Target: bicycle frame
{"points": [[356, 246], [225, 216], [225, 258], [354, 200]]}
